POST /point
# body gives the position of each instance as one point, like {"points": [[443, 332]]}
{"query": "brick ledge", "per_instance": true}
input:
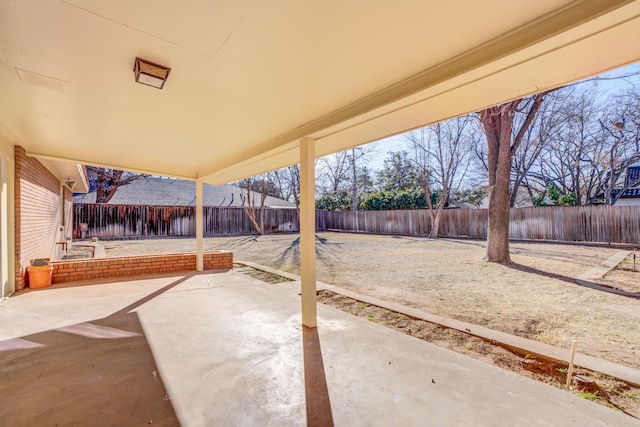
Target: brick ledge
{"points": [[104, 268]]}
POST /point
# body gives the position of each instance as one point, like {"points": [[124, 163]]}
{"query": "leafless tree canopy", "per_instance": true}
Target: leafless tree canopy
{"points": [[109, 180], [504, 135], [440, 153]]}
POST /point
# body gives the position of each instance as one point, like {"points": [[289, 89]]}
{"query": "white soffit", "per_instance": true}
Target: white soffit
{"points": [[249, 79], [66, 171]]}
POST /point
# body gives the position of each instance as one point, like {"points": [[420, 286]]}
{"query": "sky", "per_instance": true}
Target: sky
{"points": [[606, 87]]}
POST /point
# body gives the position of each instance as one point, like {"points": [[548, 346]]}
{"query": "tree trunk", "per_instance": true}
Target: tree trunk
{"points": [[108, 184], [435, 222], [251, 213], [249, 207], [514, 193], [498, 123], [498, 230]]}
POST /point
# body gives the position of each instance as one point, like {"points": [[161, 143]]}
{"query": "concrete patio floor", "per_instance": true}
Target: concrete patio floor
{"points": [[226, 349]]}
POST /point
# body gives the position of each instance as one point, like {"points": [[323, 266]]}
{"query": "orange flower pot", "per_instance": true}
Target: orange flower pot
{"points": [[40, 276]]}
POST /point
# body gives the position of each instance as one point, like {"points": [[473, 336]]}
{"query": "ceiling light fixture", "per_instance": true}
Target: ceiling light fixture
{"points": [[150, 74]]}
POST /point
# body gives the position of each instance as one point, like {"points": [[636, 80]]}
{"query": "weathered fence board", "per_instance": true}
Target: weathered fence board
{"points": [[606, 224], [106, 221]]}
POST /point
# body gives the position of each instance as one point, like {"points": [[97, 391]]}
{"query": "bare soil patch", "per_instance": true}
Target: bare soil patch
{"points": [[260, 275], [536, 297], [626, 276]]}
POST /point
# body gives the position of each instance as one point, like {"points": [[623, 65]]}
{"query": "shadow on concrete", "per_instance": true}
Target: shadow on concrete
{"points": [[532, 270], [315, 381], [94, 373]]}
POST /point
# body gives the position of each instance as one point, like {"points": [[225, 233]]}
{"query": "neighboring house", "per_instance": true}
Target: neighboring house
{"points": [[630, 189], [176, 192]]}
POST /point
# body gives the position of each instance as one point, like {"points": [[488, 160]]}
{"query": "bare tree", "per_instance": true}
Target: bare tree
{"points": [[293, 183], [536, 138], [250, 190], [440, 153], [620, 128], [342, 172], [526, 159], [334, 172], [358, 177], [503, 139], [570, 159], [287, 181], [109, 180], [595, 145]]}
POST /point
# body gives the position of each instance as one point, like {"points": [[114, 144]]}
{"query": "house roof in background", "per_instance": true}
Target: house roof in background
{"points": [[249, 79], [176, 192], [631, 180]]}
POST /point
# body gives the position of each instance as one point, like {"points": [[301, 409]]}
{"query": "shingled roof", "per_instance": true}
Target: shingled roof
{"points": [[631, 182], [176, 192]]}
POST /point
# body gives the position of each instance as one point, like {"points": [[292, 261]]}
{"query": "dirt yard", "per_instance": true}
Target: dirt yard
{"points": [[625, 276], [536, 297]]}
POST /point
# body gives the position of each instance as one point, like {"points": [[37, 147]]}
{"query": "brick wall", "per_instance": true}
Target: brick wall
{"points": [[104, 268], [37, 213]]}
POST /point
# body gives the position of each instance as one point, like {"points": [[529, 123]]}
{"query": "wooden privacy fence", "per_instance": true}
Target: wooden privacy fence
{"points": [[607, 224], [105, 221]]}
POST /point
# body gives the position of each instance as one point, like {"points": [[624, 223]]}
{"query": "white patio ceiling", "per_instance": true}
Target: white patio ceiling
{"points": [[249, 79]]}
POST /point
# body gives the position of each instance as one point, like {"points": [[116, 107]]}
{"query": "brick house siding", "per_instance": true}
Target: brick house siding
{"points": [[43, 211], [38, 213]]}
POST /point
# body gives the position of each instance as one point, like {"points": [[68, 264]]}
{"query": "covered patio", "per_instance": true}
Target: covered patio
{"points": [[164, 350], [255, 86], [250, 87]]}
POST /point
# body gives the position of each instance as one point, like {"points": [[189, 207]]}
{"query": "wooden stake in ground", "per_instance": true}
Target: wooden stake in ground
{"points": [[570, 370]]}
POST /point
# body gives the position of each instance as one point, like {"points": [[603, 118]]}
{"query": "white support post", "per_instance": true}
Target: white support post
{"points": [[199, 228], [5, 288], [308, 232]]}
